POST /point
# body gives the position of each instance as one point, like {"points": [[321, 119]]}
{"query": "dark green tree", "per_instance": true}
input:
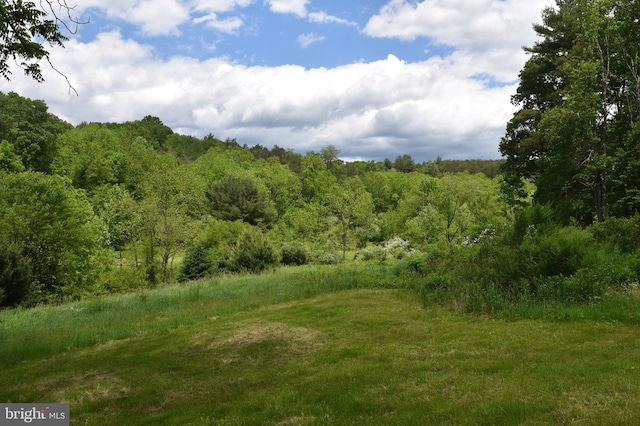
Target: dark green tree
{"points": [[197, 264], [575, 131], [405, 164], [15, 276], [238, 197]]}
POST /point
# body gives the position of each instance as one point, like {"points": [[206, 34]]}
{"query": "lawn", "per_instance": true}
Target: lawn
{"points": [[314, 347]]}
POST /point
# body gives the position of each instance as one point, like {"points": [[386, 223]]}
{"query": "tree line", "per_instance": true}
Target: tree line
{"points": [[104, 207]]}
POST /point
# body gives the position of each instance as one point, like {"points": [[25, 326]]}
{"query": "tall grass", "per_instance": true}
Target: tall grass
{"points": [[37, 332]]}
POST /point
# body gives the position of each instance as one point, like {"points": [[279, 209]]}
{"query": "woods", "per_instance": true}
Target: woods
{"points": [[111, 207]]}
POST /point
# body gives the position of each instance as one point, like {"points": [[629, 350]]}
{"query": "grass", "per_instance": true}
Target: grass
{"points": [[314, 346]]}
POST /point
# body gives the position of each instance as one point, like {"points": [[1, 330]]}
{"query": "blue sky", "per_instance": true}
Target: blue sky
{"points": [[376, 79]]}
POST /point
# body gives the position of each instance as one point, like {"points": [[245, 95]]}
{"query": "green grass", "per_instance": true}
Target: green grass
{"points": [[314, 346]]}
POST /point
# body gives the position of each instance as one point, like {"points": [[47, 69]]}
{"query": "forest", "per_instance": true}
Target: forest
{"points": [[102, 208], [107, 207]]}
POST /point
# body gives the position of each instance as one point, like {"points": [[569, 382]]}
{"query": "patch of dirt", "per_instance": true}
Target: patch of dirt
{"points": [[92, 386], [287, 339]]}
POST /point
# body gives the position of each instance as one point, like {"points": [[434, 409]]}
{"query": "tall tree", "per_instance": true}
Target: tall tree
{"points": [[571, 92]]}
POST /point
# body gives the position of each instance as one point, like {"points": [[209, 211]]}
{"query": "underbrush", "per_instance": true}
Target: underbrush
{"points": [[536, 270]]}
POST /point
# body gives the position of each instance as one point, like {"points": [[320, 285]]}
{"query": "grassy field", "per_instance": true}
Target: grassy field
{"points": [[314, 346]]}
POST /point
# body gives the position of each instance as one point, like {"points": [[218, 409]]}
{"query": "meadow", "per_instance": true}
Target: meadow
{"points": [[350, 344]]}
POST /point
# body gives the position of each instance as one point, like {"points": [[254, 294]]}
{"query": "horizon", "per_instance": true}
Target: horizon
{"points": [[375, 79]]}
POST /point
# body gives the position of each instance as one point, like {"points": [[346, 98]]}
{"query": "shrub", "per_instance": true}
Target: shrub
{"points": [[123, 279], [295, 253], [371, 253], [623, 233], [253, 253], [435, 287], [197, 264], [15, 277], [327, 258]]}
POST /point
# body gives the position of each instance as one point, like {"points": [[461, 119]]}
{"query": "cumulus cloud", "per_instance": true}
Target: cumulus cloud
{"points": [[490, 33], [164, 17], [296, 7], [369, 110], [444, 105]]}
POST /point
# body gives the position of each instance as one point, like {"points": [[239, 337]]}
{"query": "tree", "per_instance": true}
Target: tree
{"points": [[15, 276], [316, 178], [197, 264], [238, 197], [31, 130], [253, 253], [55, 228], [574, 133], [404, 163], [26, 31], [353, 207], [9, 161], [173, 200]]}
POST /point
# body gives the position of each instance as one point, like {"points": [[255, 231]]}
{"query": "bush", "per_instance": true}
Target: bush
{"points": [[623, 233], [371, 253], [435, 287], [15, 277], [397, 247], [123, 279], [197, 264], [295, 254], [327, 258], [253, 253]]}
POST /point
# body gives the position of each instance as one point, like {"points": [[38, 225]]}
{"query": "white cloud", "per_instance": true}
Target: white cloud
{"points": [[305, 40], [162, 17], [296, 7], [324, 18], [489, 32], [228, 25], [368, 110]]}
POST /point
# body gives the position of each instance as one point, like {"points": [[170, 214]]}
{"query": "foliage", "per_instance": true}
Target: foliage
{"points": [[30, 129], [622, 233], [9, 161], [238, 197], [25, 32], [575, 129], [295, 253], [196, 264], [253, 253], [15, 276], [371, 253], [353, 207], [327, 258], [55, 227]]}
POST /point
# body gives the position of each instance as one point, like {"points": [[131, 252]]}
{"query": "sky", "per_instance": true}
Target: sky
{"points": [[376, 79]]}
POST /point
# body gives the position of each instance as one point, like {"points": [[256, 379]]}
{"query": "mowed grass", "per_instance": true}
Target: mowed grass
{"points": [[314, 346]]}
